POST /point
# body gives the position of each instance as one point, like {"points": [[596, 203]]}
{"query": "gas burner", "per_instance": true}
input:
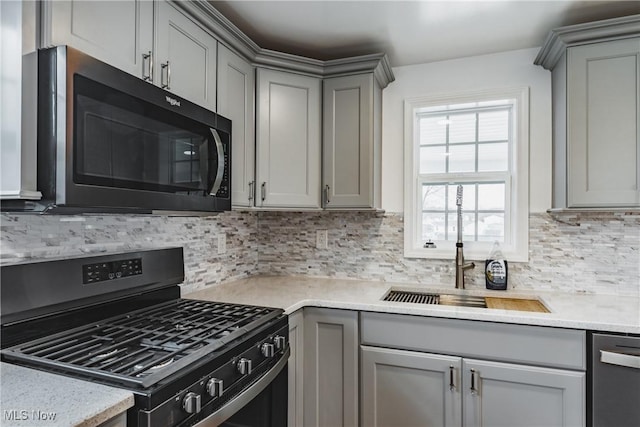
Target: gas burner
{"points": [[158, 344], [153, 369], [104, 357]]}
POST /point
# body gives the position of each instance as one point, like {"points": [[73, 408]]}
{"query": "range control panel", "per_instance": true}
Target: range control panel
{"points": [[102, 271]]}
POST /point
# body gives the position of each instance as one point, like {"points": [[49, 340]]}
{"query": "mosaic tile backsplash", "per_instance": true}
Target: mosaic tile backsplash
{"points": [[592, 253], [37, 236]]}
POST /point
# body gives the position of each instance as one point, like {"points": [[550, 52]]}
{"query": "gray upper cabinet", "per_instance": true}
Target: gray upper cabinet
{"points": [[118, 33], [596, 113], [288, 140], [178, 54], [185, 59], [236, 101], [603, 99], [280, 105], [352, 114]]}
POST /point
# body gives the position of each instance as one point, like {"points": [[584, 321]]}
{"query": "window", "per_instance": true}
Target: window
{"points": [[478, 141]]}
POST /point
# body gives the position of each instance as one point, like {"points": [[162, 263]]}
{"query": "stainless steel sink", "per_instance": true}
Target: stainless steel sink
{"points": [[436, 299], [462, 300]]}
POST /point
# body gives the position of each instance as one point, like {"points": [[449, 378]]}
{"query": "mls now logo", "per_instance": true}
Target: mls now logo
{"points": [[24, 415]]}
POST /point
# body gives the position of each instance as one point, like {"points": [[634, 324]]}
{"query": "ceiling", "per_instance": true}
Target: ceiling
{"points": [[410, 32]]}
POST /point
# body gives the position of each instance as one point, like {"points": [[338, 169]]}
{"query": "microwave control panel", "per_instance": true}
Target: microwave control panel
{"points": [[103, 271]]}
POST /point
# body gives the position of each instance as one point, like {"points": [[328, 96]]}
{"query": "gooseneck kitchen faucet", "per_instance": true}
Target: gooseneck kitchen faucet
{"points": [[460, 265]]}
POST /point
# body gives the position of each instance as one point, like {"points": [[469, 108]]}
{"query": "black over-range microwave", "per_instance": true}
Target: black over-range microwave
{"points": [[111, 142]]}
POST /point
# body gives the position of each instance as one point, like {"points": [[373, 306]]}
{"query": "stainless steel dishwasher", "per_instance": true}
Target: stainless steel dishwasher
{"points": [[615, 381]]}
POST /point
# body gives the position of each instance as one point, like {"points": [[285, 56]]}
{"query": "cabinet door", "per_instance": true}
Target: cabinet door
{"points": [[236, 95], [501, 394], [348, 144], [330, 368], [409, 389], [603, 99], [185, 57], [288, 140], [116, 32], [296, 366]]}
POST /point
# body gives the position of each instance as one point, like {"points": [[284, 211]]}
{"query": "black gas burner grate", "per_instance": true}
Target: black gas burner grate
{"points": [[142, 347]]}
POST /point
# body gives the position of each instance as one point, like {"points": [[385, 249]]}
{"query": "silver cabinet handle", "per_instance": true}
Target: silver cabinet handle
{"points": [[263, 191], [220, 171], [326, 193], [165, 66], [251, 190], [452, 384], [147, 57], [473, 388], [620, 358]]}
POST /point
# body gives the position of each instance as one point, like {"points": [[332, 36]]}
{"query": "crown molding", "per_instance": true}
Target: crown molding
{"points": [[218, 25], [378, 63], [561, 38], [231, 36], [276, 60]]}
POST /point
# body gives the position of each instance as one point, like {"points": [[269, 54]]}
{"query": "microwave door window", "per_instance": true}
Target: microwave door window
{"points": [[187, 166], [123, 142]]}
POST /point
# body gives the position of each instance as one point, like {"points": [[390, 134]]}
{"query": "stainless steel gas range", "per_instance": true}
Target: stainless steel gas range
{"points": [[119, 320]]}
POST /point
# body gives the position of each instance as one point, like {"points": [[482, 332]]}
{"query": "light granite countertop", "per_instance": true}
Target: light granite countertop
{"points": [[576, 311], [32, 398]]}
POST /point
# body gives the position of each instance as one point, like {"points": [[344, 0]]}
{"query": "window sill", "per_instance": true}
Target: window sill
{"points": [[470, 254]]}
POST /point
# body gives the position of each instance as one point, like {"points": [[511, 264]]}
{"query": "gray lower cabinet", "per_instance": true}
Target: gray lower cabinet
{"points": [[296, 368], [506, 394], [420, 371], [406, 389], [330, 368]]}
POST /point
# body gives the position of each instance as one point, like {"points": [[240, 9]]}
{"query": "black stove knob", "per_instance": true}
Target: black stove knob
{"points": [[215, 387], [191, 403], [267, 349], [280, 342], [244, 366]]}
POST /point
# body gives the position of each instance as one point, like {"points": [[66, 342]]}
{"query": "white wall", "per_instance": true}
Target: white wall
{"points": [[501, 70]]}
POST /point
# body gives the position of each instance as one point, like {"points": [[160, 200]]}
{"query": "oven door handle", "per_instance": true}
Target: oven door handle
{"points": [[620, 358], [234, 405], [220, 171]]}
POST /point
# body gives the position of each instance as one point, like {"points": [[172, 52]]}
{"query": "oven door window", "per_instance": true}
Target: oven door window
{"points": [[122, 141]]}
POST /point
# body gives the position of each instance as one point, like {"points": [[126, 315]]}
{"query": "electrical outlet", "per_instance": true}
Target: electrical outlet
{"points": [[222, 244], [321, 239]]}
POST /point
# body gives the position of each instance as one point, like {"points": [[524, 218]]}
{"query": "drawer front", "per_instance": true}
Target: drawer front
{"points": [[536, 345]]}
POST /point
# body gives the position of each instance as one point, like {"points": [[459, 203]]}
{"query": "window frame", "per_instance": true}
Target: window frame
{"points": [[516, 246]]}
